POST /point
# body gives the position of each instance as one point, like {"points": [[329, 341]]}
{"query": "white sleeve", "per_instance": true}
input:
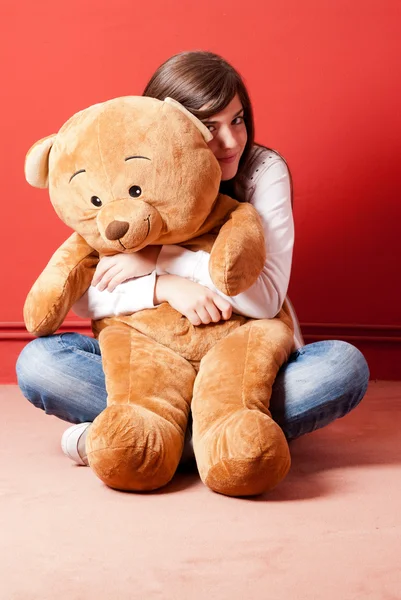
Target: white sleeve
{"points": [[127, 298], [177, 260], [263, 300]]}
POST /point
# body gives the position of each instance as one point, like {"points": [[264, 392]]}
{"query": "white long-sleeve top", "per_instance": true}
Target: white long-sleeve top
{"points": [[267, 186]]}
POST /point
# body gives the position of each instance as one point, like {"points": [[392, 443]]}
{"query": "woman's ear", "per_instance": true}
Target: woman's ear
{"points": [[37, 162], [202, 128]]}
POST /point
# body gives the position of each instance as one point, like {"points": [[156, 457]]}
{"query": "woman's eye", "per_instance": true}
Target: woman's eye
{"points": [[238, 120], [135, 191], [96, 201], [211, 128]]}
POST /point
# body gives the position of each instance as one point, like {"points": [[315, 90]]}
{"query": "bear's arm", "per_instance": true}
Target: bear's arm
{"points": [[239, 252], [65, 278]]}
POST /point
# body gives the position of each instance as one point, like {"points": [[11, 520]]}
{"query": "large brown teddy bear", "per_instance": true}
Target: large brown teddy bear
{"points": [[125, 174]]}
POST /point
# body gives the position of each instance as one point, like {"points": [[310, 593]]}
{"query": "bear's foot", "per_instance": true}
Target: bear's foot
{"points": [[245, 455], [133, 449]]}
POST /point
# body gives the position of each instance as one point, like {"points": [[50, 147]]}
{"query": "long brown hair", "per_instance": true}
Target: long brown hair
{"points": [[199, 78]]}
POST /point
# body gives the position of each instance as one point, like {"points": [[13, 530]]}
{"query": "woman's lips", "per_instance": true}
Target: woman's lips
{"points": [[228, 159]]}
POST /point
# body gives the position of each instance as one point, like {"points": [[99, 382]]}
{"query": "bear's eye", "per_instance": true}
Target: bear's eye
{"points": [[135, 191], [96, 201]]}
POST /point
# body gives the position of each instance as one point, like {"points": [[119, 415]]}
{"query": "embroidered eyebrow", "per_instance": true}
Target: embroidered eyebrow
{"points": [[131, 157], [77, 173]]}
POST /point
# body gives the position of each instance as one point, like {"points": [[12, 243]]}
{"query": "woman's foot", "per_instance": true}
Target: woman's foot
{"points": [[74, 438], [73, 443]]}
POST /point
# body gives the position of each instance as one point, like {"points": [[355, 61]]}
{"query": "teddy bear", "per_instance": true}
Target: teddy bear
{"points": [[132, 172]]}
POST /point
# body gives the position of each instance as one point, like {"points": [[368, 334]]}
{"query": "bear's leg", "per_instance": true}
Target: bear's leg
{"points": [[136, 442], [239, 449]]}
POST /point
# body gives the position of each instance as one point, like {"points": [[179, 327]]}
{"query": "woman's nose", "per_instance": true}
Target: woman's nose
{"points": [[227, 139]]}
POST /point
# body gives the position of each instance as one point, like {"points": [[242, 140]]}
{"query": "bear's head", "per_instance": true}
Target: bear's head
{"points": [[128, 173]]}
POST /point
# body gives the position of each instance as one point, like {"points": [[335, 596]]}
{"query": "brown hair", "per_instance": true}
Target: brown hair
{"points": [[197, 78]]}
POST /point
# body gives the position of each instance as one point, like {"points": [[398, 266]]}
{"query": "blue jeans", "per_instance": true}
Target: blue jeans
{"points": [[63, 375]]}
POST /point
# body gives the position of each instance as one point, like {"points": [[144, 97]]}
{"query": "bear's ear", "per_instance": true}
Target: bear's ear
{"points": [[202, 128], [37, 162]]}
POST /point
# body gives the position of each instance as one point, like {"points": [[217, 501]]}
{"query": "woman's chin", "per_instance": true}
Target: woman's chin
{"points": [[228, 171]]}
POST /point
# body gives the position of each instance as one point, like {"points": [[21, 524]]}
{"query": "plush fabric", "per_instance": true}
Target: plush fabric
{"points": [[125, 174]]}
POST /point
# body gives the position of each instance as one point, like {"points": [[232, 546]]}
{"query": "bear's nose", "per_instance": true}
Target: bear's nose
{"points": [[116, 230]]}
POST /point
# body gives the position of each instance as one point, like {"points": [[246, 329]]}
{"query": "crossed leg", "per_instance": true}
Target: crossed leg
{"points": [[239, 449], [136, 442]]}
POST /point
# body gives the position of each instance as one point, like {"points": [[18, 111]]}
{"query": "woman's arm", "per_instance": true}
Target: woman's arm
{"points": [[107, 297], [122, 284], [272, 199], [196, 302], [125, 299]]}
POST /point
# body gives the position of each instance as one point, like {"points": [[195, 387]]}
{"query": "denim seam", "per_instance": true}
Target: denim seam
{"points": [[306, 415], [90, 355]]}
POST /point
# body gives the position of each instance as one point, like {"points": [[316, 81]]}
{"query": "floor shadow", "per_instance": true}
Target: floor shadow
{"points": [[367, 437], [182, 480], [185, 477]]}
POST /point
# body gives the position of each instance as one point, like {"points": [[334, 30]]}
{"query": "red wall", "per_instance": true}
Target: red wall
{"points": [[324, 78]]}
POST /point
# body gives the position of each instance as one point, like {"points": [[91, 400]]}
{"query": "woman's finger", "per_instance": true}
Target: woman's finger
{"points": [[107, 277], [213, 311], [117, 279], [102, 267], [224, 306], [204, 315], [193, 318]]}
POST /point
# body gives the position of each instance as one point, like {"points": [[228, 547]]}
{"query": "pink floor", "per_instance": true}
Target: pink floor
{"points": [[332, 530]]}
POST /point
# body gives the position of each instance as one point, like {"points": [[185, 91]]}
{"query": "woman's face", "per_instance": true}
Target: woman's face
{"points": [[229, 137]]}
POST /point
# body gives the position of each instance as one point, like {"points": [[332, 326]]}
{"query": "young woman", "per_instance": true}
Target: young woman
{"points": [[62, 374]]}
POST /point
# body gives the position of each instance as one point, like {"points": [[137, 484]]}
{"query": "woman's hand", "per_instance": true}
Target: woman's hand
{"points": [[113, 270], [196, 302]]}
